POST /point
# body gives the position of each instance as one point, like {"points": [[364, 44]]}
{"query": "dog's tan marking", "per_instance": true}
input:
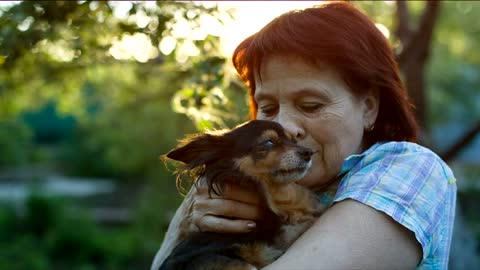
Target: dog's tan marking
{"points": [[283, 158], [259, 170], [269, 134], [289, 233], [292, 203], [259, 254]]}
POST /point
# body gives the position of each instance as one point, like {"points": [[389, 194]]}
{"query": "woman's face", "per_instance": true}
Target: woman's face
{"points": [[318, 109]]}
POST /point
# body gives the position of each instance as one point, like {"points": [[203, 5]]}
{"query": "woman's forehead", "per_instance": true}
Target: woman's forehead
{"points": [[294, 73], [275, 65]]}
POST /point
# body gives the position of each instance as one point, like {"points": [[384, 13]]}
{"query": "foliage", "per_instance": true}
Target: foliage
{"points": [[50, 235], [454, 70], [15, 143], [127, 140], [155, 208], [57, 36], [120, 99], [48, 125], [64, 59], [452, 76]]}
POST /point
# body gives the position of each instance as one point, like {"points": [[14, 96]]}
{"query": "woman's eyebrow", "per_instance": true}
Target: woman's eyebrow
{"points": [[312, 92], [299, 92]]}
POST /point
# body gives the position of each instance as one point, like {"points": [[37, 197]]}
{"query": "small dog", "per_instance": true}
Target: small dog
{"points": [[261, 155]]}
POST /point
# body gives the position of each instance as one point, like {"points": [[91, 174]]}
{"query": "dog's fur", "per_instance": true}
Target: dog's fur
{"points": [[261, 155]]}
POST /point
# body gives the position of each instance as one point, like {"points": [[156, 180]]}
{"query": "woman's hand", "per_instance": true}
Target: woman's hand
{"points": [[235, 211]]}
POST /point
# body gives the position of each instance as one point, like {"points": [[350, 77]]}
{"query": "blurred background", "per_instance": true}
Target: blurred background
{"points": [[92, 93]]}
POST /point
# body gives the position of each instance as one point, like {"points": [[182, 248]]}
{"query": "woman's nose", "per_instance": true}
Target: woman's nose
{"points": [[291, 125]]}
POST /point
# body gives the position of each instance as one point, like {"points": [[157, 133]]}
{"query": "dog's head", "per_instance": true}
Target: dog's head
{"points": [[259, 150]]}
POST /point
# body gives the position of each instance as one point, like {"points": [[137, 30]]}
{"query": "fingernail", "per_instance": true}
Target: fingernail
{"points": [[251, 225]]}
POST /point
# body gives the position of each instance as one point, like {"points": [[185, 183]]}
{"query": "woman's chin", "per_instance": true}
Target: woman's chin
{"points": [[313, 181]]}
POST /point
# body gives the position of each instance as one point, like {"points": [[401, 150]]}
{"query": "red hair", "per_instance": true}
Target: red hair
{"points": [[339, 35]]}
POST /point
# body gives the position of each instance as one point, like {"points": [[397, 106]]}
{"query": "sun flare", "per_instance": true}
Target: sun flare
{"points": [[250, 16]]}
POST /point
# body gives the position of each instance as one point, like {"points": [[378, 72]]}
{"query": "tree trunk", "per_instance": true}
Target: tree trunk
{"points": [[415, 83], [412, 60], [413, 57]]}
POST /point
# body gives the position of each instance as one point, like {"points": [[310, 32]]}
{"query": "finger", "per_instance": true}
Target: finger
{"points": [[223, 225], [229, 190], [227, 208]]}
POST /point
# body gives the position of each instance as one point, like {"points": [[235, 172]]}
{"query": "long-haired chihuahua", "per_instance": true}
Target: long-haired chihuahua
{"points": [[261, 155]]}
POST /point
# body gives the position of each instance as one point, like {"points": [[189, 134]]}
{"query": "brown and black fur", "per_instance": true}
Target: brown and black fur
{"points": [[261, 155]]}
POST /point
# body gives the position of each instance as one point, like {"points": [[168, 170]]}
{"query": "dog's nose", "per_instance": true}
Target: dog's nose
{"points": [[305, 153]]}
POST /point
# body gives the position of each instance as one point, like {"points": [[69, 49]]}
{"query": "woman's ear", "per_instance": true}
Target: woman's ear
{"points": [[371, 104]]}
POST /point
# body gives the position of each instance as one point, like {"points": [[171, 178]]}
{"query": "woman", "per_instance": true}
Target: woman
{"points": [[328, 76]]}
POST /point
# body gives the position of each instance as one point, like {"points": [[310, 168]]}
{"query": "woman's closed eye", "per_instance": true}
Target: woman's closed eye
{"points": [[268, 110], [310, 107]]}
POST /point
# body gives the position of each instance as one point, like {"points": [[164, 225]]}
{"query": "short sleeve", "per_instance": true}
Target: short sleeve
{"points": [[405, 181]]}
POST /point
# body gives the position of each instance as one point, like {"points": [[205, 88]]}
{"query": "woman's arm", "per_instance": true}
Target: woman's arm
{"points": [[352, 235]]}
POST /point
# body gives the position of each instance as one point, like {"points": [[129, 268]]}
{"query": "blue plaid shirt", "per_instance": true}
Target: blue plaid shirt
{"points": [[412, 185]]}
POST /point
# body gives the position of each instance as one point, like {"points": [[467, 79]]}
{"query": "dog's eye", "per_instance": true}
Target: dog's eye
{"points": [[267, 143]]}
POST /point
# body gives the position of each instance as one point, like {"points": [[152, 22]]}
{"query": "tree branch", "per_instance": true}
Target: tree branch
{"points": [[421, 38], [460, 144], [403, 30]]}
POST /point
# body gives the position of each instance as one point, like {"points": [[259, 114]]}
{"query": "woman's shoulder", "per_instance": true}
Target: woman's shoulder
{"points": [[409, 183], [395, 147], [397, 158], [384, 149], [394, 170]]}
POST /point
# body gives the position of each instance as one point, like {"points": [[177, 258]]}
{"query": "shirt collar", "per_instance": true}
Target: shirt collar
{"points": [[352, 160]]}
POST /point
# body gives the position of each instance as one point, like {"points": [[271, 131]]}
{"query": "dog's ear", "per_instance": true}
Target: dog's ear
{"points": [[198, 149]]}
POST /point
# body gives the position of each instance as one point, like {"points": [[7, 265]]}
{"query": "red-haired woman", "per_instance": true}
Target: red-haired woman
{"points": [[328, 76]]}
